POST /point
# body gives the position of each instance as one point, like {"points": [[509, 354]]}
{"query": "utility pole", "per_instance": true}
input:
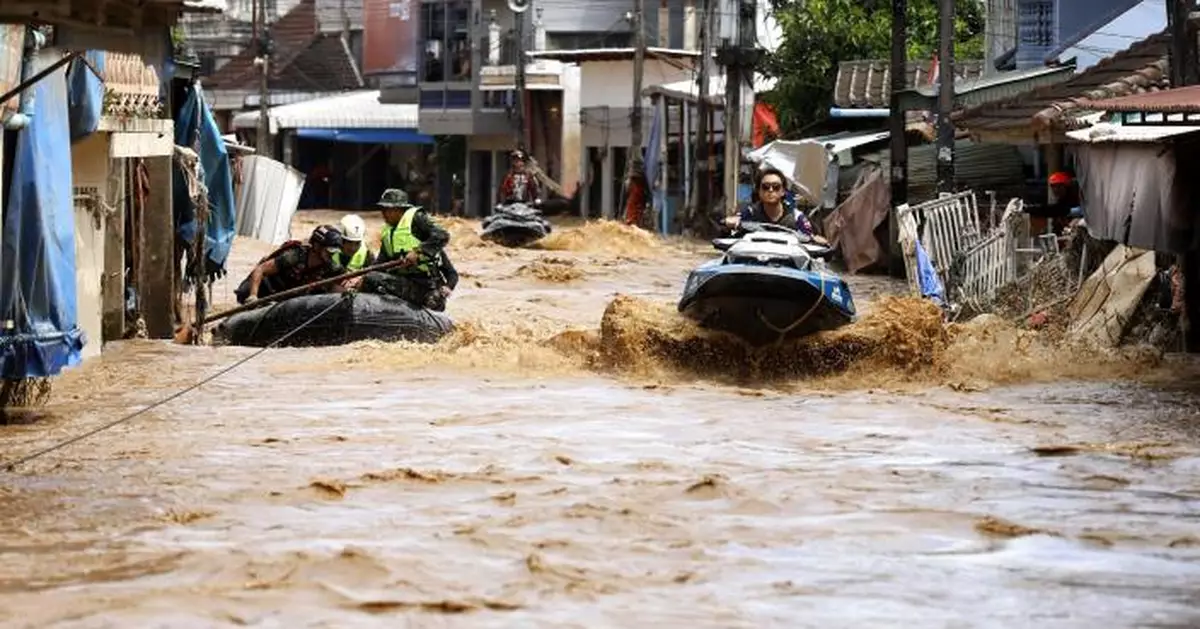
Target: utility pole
{"points": [[945, 127], [518, 9], [701, 179], [739, 55], [896, 125], [639, 70], [262, 41], [1185, 70]]}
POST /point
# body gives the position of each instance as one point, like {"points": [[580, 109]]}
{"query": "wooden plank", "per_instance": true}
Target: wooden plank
{"points": [[156, 275], [113, 285]]}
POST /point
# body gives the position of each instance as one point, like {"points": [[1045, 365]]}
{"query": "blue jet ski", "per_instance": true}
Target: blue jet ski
{"points": [[770, 284]]}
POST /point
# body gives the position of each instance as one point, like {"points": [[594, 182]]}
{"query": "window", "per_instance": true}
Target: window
{"points": [[583, 41], [446, 30]]}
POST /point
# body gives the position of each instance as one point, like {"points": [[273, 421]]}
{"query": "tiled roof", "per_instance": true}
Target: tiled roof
{"points": [[867, 83], [1178, 100], [304, 59], [1143, 67]]}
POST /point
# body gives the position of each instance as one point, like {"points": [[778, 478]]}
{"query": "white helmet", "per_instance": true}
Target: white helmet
{"points": [[353, 228]]}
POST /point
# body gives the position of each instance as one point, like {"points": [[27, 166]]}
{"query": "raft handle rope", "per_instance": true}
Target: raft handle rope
{"points": [[8, 467], [782, 332]]}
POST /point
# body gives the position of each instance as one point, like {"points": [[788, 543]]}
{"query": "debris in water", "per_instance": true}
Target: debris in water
{"points": [[562, 458], [711, 487], [1148, 451], [996, 527], [508, 498], [330, 488], [406, 473], [381, 603], [557, 270], [186, 516]]}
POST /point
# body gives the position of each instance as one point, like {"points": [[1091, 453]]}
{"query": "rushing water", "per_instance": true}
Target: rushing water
{"points": [[545, 467]]}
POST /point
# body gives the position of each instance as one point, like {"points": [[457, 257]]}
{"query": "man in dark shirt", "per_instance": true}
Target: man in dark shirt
{"points": [[293, 265]]}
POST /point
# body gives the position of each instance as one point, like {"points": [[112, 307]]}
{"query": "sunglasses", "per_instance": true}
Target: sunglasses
{"points": [[771, 187]]}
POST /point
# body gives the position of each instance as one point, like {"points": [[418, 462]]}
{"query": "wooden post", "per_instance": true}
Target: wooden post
{"points": [[156, 275], [113, 286], [945, 104], [896, 126]]}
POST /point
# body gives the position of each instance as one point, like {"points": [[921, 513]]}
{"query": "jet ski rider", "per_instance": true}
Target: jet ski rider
{"points": [[519, 185], [770, 207]]}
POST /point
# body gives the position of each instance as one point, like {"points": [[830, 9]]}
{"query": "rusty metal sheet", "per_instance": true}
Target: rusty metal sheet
{"points": [[12, 45]]}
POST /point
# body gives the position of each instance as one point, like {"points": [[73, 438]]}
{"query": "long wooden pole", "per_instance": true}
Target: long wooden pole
{"points": [[300, 290]]}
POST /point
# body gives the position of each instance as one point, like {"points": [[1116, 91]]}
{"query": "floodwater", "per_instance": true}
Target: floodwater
{"points": [[572, 457]]}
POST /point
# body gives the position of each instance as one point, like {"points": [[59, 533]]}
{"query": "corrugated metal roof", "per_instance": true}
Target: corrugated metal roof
{"points": [[1140, 68], [1105, 132], [1176, 101], [978, 90], [867, 83], [356, 110], [609, 54]]}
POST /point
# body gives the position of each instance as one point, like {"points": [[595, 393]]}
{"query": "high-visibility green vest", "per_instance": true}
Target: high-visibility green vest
{"points": [[399, 240], [357, 261]]}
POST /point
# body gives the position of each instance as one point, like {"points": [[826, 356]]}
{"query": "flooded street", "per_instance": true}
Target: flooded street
{"points": [[571, 458]]}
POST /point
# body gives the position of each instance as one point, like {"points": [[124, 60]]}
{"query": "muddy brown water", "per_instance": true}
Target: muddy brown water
{"points": [[578, 456]]}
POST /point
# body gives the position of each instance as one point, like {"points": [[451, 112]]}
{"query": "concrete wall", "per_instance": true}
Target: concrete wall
{"points": [[606, 99], [610, 83], [571, 157], [89, 166]]}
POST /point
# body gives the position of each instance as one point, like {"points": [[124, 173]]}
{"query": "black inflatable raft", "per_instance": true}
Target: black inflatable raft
{"points": [[515, 225], [358, 317]]}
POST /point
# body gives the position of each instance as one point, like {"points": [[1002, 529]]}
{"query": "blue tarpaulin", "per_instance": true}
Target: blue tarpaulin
{"points": [[653, 155], [85, 94], [40, 335], [214, 160], [366, 136], [927, 278]]}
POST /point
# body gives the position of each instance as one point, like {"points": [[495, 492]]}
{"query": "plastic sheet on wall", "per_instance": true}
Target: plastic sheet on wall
{"points": [[39, 332], [85, 94]]}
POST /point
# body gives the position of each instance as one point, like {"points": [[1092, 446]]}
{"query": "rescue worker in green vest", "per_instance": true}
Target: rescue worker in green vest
{"points": [[409, 234], [355, 254]]}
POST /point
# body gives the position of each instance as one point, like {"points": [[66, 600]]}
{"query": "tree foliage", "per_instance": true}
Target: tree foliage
{"points": [[820, 34]]}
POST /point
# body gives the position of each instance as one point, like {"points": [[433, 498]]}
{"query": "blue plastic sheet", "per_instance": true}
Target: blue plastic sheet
{"points": [[366, 136], [85, 95], [927, 278], [37, 268], [214, 161]]}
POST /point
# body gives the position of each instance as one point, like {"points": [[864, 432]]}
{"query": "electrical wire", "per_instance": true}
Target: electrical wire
{"points": [[8, 467]]}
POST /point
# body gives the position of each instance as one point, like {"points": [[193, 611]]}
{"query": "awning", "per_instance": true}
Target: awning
{"points": [[689, 90], [366, 136], [1104, 132], [353, 110]]}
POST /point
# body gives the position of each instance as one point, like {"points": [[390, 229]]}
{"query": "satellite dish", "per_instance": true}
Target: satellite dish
{"points": [[518, 6]]}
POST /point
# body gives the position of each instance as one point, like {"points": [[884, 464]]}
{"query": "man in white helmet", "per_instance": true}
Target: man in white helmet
{"points": [[355, 254]]}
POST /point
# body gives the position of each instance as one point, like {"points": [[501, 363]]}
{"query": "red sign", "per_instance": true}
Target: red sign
{"points": [[391, 36]]}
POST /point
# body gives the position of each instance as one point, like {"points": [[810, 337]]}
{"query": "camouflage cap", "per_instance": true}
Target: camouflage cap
{"points": [[394, 198]]}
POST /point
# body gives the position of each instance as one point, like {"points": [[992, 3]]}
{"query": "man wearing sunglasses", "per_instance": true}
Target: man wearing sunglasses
{"points": [[770, 207]]}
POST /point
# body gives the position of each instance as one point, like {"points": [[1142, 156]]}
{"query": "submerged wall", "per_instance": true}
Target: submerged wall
{"points": [[89, 166]]}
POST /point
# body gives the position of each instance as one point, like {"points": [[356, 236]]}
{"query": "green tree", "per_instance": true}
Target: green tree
{"points": [[820, 34]]}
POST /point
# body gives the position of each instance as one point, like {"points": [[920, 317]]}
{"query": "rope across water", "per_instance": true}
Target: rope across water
{"points": [[178, 394]]}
